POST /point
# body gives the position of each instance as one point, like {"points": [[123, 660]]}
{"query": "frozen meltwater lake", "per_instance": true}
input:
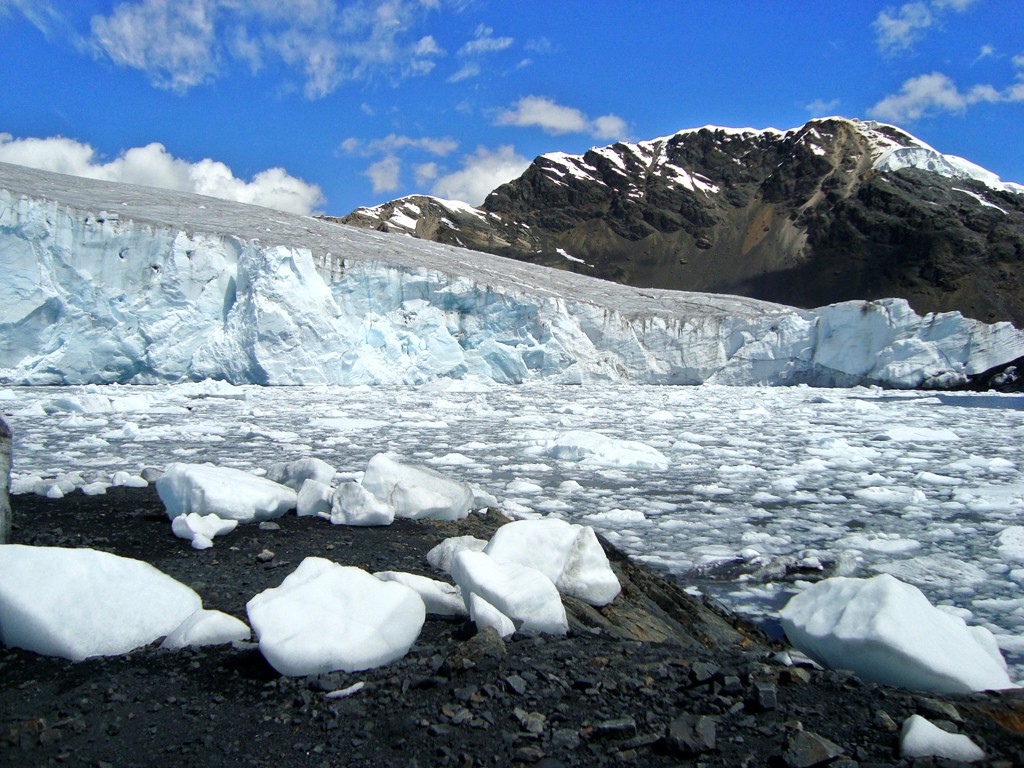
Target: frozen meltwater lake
{"points": [[927, 487]]}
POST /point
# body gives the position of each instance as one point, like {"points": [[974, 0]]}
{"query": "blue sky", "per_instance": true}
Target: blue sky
{"points": [[326, 105]]}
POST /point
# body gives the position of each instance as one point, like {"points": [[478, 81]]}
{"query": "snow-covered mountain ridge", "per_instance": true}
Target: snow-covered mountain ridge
{"points": [[834, 210], [115, 283]]}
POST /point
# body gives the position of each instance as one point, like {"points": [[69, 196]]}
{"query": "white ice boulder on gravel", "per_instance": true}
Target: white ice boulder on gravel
{"points": [[295, 473], [922, 738], [223, 491], [440, 599], [416, 492], [314, 498], [441, 556], [201, 530], [352, 504], [486, 615], [206, 627], [568, 554], [528, 597], [326, 617], [887, 632], [77, 603]]}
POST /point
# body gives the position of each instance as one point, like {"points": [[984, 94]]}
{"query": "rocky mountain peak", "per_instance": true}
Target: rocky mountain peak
{"points": [[832, 210]]}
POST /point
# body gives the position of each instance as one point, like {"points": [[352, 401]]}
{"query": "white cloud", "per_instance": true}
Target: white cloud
{"points": [[898, 29], [426, 173], [180, 44], [481, 172], [551, 117], [152, 165], [820, 107], [40, 13], [173, 42], [609, 127], [471, 69], [936, 93], [484, 42], [385, 174], [393, 143]]}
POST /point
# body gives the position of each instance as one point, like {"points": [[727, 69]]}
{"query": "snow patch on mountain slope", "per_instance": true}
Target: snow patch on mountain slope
{"points": [[113, 283]]}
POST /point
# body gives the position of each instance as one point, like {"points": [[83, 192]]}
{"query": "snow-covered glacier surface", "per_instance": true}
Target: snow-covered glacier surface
{"points": [[112, 283]]}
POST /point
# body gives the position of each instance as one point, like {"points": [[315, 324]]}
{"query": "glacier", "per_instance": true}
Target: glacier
{"points": [[112, 283]]}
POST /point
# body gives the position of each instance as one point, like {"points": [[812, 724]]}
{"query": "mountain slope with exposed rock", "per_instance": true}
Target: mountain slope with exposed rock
{"points": [[834, 210]]}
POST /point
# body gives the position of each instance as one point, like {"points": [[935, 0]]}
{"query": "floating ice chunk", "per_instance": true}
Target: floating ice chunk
{"points": [[314, 498], [595, 448], [939, 569], [570, 555], [528, 597], [887, 632], [887, 543], [207, 628], [415, 491], [910, 434], [922, 738], [891, 495], [352, 504], [991, 498], [97, 488], [1010, 543], [930, 478], [77, 603], [201, 529], [617, 517], [486, 615], [326, 617], [440, 556], [223, 491], [439, 598], [295, 473], [520, 486]]}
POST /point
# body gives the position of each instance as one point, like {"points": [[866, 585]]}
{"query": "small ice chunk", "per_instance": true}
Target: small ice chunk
{"points": [[1010, 543], [77, 603], [525, 595], [352, 504], [486, 615], [595, 448], [416, 492], [440, 556], [295, 473], [568, 554], [314, 498], [440, 599], [128, 480], [206, 627], [201, 529], [922, 738], [326, 617], [887, 632], [223, 491]]}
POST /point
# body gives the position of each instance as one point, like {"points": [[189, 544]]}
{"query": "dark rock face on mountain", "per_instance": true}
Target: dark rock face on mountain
{"points": [[835, 210]]}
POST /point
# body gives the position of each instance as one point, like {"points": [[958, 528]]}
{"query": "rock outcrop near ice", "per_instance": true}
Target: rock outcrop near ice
{"points": [[115, 283], [830, 211]]}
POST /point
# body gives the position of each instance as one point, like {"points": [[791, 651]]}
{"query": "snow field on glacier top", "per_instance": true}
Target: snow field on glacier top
{"points": [[726, 486]]}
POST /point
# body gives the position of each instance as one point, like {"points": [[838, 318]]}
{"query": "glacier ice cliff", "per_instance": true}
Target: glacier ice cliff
{"points": [[115, 283]]}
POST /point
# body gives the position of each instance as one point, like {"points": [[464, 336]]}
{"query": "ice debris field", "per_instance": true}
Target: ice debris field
{"points": [[747, 493]]}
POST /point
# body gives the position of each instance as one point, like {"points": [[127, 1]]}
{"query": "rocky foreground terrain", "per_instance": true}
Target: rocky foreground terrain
{"points": [[831, 211], [657, 678]]}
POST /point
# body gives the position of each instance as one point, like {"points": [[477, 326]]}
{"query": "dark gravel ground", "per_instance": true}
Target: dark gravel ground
{"points": [[709, 695]]}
